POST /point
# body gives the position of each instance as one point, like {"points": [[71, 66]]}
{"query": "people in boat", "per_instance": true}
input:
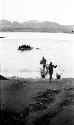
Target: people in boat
{"points": [[24, 47], [50, 70]]}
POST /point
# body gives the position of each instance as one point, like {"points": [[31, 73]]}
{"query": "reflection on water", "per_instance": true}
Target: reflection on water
{"points": [[58, 48]]}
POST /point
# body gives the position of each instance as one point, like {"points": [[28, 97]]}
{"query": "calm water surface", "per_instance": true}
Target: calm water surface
{"points": [[58, 48]]}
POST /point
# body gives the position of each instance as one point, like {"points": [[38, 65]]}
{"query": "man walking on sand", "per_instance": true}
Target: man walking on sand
{"points": [[50, 69]]}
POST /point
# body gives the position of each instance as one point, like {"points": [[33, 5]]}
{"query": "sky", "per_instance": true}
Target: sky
{"points": [[60, 11]]}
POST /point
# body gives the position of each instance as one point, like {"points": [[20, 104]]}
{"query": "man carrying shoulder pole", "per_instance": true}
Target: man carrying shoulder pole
{"points": [[50, 70]]}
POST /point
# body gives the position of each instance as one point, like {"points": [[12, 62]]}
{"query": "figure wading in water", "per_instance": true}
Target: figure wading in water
{"points": [[44, 67], [43, 62], [50, 70]]}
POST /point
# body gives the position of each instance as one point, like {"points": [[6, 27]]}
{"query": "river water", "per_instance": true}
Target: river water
{"points": [[55, 47]]}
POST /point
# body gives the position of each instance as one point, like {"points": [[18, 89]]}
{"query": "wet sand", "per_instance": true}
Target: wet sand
{"points": [[37, 102]]}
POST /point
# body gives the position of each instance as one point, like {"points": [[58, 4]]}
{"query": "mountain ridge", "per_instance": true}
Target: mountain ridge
{"points": [[35, 26]]}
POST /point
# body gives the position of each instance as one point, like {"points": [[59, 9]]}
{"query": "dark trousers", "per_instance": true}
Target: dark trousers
{"points": [[50, 74]]}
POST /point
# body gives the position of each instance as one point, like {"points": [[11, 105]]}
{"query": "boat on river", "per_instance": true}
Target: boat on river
{"points": [[25, 47]]}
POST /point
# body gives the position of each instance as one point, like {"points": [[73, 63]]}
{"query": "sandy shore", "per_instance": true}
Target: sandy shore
{"points": [[37, 102]]}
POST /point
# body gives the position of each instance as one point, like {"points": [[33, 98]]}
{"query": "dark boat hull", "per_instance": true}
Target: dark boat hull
{"points": [[25, 47]]}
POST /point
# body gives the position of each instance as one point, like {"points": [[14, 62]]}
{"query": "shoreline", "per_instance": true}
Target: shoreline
{"points": [[35, 32]]}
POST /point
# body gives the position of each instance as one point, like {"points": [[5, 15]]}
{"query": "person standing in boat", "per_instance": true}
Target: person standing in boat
{"points": [[50, 70]]}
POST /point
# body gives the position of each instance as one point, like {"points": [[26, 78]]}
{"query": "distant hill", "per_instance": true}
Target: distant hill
{"points": [[35, 26]]}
